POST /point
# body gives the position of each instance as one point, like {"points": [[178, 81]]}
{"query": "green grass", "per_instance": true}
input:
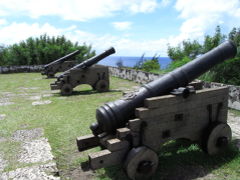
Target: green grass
{"points": [[68, 117], [62, 120]]}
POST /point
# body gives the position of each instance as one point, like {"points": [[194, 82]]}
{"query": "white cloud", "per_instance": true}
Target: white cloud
{"points": [[2, 22], [16, 32], [124, 46], [144, 6], [122, 25], [165, 3], [202, 15], [79, 10]]}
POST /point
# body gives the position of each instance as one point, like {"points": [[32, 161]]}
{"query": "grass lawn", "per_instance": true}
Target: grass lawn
{"points": [[68, 117]]}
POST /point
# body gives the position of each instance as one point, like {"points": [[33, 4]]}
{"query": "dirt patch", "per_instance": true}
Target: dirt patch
{"points": [[2, 116], [26, 88], [8, 94], [3, 163], [234, 123], [41, 102], [36, 151], [6, 103], [47, 95], [78, 173], [2, 139], [43, 172], [35, 98], [27, 135]]}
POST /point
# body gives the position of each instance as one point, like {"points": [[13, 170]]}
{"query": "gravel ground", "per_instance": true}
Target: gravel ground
{"points": [[27, 135], [234, 123], [41, 102], [2, 116], [3, 163], [34, 149], [41, 172]]}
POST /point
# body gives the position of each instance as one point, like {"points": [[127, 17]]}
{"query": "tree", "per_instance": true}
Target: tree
{"points": [[150, 65], [214, 41], [139, 63], [226, 72], [187, 48], [42, 50]]}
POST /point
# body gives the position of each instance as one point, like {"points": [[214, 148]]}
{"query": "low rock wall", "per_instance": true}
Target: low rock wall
{"points": [[145, 77], [20, 69]]}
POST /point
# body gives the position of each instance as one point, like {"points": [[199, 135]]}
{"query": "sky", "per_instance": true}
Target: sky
{"points": [[132, 27]]}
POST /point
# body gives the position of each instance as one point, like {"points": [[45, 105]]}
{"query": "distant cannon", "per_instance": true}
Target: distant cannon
{"points": [[131, 130], [60, 65], [85, 73]]}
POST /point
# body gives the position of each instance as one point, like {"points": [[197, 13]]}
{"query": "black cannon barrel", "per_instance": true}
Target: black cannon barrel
{"points": [[95, 59], [91, 61], [62, 59], [115, 114]]}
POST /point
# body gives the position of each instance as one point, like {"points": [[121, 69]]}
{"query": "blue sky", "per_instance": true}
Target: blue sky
{"points": [[133, 27]]}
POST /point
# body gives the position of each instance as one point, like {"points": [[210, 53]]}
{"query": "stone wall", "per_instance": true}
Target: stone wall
{"points": [[145, 77], [19, 69]]}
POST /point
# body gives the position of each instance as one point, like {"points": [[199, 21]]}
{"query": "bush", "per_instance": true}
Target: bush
{"points": [[42, 50], [179, 63], [150, 65], [226, 72]]}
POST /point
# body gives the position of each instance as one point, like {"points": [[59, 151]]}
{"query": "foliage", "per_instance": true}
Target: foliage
{"points": [[212, 42], [119, 63], [148, 65], [139, 63], [226, 72], [42, 50], [187, 48], [176, 64]]}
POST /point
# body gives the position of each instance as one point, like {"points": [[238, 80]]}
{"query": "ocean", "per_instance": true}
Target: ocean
{"points": [[131, 61]]}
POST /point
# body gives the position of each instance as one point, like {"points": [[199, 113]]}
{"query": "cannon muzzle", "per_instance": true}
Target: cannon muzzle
{"points": [[115, 114]]}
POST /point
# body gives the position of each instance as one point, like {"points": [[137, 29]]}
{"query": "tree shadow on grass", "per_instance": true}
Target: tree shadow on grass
{"points": [[182, 162]]}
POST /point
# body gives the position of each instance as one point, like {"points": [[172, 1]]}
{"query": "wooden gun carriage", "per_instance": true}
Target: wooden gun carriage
{"points": [[201, 118], [86, 72], [96, 76], [131, 130]]}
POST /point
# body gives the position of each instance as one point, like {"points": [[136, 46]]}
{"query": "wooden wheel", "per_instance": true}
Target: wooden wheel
{"points": [[102, 86], [141, 163], [66, 90], [218, 139]]}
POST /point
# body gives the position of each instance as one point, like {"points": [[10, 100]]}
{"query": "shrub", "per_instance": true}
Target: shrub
{"points": [[42, 50]]}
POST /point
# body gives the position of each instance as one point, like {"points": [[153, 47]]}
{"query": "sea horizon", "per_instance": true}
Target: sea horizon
{"points": [[131, 61]]}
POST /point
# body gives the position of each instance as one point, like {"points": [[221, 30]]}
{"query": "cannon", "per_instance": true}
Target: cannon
{"points": [[59, 65], [86, 72], [131, 130]]}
